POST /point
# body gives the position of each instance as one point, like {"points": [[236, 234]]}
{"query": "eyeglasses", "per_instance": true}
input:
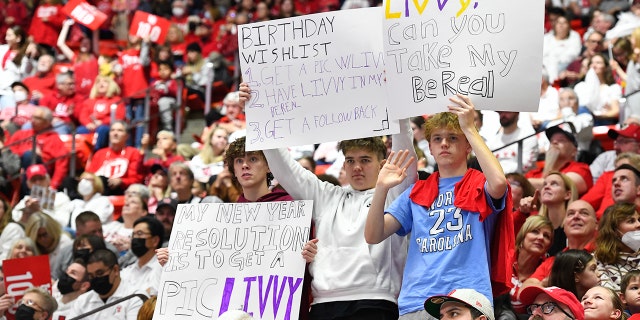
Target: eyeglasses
{"points": [[547, 308], [139, 234], [30, 303]]}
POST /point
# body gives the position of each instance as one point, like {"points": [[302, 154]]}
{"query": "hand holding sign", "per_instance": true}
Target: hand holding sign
{"points": [[149, 27], [85, 14]]}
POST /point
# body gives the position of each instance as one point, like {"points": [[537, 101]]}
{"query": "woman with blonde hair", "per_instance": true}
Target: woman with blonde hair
{"points": [[558, 190], [47, 234], [22, 248], [96, 113], [9, 230], [616, 252], [532, 242], [210, 161], [91, 188]]}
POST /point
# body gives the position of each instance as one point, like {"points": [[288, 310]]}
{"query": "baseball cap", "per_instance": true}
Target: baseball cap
{"points": [[36, 170], [168, 202], [469, 297], [566, 128], [631, 131], [529, 294]]}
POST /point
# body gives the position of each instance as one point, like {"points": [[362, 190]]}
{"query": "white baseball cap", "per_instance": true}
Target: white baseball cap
{"points": [[469, 297]]}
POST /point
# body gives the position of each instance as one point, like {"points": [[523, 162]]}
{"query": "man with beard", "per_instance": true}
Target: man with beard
{"points": [[509, 133], [73, 282], [106, 286], [551, 303]]}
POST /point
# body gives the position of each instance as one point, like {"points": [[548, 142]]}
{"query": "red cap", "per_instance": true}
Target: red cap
{"points": [[631, 131], [565, 297], [36, 170]]}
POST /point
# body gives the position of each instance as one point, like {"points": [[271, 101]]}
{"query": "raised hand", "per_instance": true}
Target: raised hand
{"points": [[464, 109], [394, 169]]}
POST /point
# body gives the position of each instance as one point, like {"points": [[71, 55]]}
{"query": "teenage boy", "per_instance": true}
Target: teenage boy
{"points": [[450, 216], [351, 279], [460, 304]]}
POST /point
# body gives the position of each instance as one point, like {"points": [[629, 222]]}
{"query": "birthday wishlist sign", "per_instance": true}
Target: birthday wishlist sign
{"points": [[488, 50], [315, 78], [235, 256]]}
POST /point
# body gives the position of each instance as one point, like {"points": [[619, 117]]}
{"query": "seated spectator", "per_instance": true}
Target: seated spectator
{"points": [[520, 188], [165, 213], [194, 71], [35, 301], [624, 140], [175, 40], [22, 248], [577, 69], [20, 114], [106, 286], [601, 195], [73, 282], [19, 52], [50, 150], [144, 275], [164, 91], [463, 304], [580, 226], [46, 24], [118, 165], [164, 153], [209, 162], [95, 114], [43, 83], [85, 61], [561, 156], [561, 46], [574, 271], [181, 180], [90, 188], [9, 230], [511, 132], [135, 206], [37, 176], [629, 286], [234, 118], [63, 103], [617, 252], [626, 184], [602, 303], [599, 92], [551, 303], [47, 234], [158, 186]]}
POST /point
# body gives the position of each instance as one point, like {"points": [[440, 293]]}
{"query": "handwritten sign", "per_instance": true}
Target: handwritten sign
{"points": [[149, 25], [231, 256], [489, 50], [23, 274], [315, 78], [84, 13]]}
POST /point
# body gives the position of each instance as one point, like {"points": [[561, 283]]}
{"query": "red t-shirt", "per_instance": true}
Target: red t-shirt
{"points": [[85, 74], [45, 84], [46, 32], [63, 107], [134, 78], [100, 109], [124, 164]]}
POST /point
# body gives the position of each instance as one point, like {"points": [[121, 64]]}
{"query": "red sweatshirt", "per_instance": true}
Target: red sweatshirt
{"points": [[124, 164], [134, 78], [45, 84], [46, 32], [100, 109], [62, 106], [51, 147]]}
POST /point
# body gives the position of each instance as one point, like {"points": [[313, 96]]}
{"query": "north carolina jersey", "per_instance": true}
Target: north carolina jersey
{"points": [[449, 247]]}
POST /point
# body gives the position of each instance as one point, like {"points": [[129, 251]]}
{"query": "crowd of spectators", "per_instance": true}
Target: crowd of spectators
{"points": [[574, 197]]}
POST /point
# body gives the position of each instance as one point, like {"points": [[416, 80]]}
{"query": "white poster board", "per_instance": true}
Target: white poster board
{"points": [[235, 256], [315, 78], [489, 50]]}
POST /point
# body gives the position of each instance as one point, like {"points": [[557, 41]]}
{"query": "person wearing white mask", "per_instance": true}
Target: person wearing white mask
{"points": [[617, 244], [90, 187], [13, 120], [180, 15]]}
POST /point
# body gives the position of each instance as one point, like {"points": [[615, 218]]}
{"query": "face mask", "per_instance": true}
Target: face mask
{"points": [[138, 247], [85, 187], [25, 312], [82, 254], [632, 240], [178, 12], [567, 112], [101, 285], [20, 96], [65, 283]]}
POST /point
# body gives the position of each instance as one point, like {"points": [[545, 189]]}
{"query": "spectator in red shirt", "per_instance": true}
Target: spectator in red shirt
{"points": [[85, 62], [63, 103], [44, 81], [118, 165], [15, 13], [163, 94], [180, 15], [46, 24], [96, 113], [50, 150], [175, 40]]}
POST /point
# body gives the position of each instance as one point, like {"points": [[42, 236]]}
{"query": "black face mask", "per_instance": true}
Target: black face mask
{"points": [[101, 285], [139, 247], [65, 284], [82, 254], [24, 312]]}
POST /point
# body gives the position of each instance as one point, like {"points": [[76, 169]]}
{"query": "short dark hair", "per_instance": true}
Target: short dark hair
{"points": [[628, 277], [106, 256], [94, 241], [155, 227], [166, 63], [85, 217]]}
